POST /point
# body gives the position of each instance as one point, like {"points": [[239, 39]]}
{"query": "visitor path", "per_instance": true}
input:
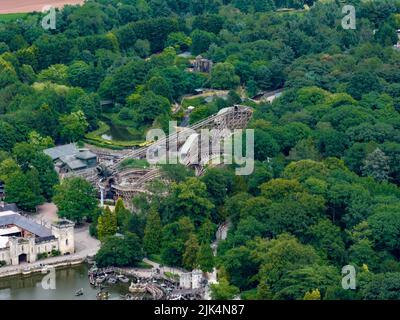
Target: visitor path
{"points": [[19, 6]]}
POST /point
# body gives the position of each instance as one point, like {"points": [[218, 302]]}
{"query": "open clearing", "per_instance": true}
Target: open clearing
{"points": [[12, 6]]}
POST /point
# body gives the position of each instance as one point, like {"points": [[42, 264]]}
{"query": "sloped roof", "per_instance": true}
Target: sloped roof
{"points": [[9, 207], [85, 155], [61, 151], [10, 217], [72, 162]]}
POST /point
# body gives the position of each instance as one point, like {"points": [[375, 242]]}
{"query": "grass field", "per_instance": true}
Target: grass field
{"points": [[6, 17]]}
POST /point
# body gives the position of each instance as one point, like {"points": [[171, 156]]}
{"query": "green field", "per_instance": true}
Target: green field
{"points": [[12, 16]]}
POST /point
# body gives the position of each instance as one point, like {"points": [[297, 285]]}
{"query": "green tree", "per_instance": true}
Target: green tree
{"points": [[179, 41], [8, 136], [385, 226], [152, 233], [191, 252], [75, 198], [190, 199], [206, 231], [106, 224], [382, 286], [201, 41], [57, 73], [223, 76], [24, 189], [73, 126], [121, 213], [80, 74], [376, 165], [174, 237], [30, 155], [147, 107], [142, 48], [223, 290], [205, 258], [120, 251], [386, 35]]}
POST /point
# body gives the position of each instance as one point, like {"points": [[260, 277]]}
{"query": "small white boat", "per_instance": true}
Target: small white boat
{"points": [[122, 278], [79, 292], [100, 279]]}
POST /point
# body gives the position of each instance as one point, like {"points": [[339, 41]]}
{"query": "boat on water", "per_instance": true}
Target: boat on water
{"points": [[100, 279], [79, 292], [122, 278], [112, 280]]}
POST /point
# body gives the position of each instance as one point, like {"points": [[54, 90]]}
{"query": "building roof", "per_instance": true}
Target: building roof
{"points": [[9, 207], [60, 151], [44, 239], [14, 218], [8, 231], [85, 155], [70, 155], [72, 162]]}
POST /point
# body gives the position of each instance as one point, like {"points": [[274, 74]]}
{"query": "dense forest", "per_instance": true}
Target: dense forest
{"points": [[325, 189]]}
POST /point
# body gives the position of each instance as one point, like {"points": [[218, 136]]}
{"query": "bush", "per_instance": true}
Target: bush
{"points": [[42, 255], [55, 253], [2, 263]]}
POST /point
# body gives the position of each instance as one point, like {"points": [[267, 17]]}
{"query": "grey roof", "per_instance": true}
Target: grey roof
{"points": [[76, 164], [60, 151], [44, 239], [24, 223], [85, 155], [9, 207], [72, 162]]}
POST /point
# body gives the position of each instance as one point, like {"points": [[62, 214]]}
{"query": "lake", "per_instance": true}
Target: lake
{"points": [[68, 281], [117, 133]]}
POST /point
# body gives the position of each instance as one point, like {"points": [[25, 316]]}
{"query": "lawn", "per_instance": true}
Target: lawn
{"points": [[6, 17]]}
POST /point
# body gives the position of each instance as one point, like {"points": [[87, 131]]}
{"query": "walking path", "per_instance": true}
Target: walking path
{"points": [[164, 269]]}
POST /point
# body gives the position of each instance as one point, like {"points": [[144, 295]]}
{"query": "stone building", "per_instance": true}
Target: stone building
{"points": [[201, 64], [191, 280], [23, 239]]}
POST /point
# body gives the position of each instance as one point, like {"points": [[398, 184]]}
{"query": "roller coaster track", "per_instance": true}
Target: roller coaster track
{"points": [[236, 117]]}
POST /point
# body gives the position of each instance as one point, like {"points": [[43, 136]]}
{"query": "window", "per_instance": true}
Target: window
{"points": [[66, 242]]}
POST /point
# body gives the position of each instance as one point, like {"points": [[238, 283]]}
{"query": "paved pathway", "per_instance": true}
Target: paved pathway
{"points": [[164, 269]]}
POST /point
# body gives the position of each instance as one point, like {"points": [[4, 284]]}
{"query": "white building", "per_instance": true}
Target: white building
{"points": [[23, 240], [191, 280]]}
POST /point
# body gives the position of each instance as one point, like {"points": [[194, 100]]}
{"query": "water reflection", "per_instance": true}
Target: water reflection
{"points": [[68, 281]]}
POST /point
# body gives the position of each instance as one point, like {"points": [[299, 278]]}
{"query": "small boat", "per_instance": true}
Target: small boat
{"points": [[79, 292], [112, 280], [100, 279], [122, 278]]}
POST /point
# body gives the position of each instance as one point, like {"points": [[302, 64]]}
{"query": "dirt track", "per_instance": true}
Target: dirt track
{"points": [[17, 6]]}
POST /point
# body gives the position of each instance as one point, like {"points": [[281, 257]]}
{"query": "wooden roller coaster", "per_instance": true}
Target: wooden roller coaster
{"points": [[127, 183]]}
